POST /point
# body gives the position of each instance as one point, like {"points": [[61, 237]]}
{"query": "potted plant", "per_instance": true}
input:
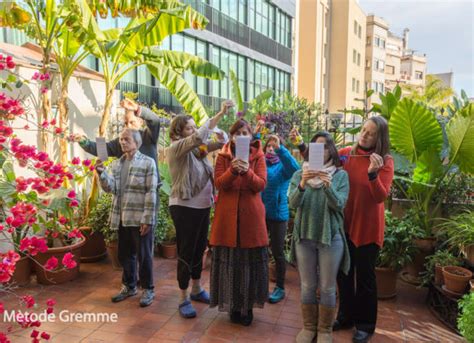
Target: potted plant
{"points": [[99, 222], [460, 232], [434, 266], [165, 234], [429, 151], [456, 279], [398, 250], [466, 318]]}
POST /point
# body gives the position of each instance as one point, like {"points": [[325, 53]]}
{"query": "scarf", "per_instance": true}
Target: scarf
{"points": [[272, 158], [316, 182]]}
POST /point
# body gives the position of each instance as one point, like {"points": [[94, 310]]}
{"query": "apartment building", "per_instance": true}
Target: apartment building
{"points": [[251, 37]]}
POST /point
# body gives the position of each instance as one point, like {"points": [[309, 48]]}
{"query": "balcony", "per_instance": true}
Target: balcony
{"points": [[229, 28]]}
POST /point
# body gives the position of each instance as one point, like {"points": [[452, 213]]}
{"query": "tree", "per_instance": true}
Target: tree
{"points": [[435, 94]]}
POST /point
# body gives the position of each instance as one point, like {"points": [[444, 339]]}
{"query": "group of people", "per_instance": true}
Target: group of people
{"points": [[338, 226]]}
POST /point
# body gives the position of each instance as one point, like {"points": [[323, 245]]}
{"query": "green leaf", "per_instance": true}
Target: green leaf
{"points": [[352, 130], [397, 92], [181, 90], [401, 163], [428, 169], [414, 129], [18, 84], [8, 171], [369, 93], [460, 132], [236, 94], [264, 96], [11, 78]]}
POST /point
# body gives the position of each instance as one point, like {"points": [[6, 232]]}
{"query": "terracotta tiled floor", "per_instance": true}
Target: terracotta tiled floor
{"points": [[404, 319]]}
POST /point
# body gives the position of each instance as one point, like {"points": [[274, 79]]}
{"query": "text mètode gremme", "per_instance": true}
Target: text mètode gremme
{"points": [[63, 316]]}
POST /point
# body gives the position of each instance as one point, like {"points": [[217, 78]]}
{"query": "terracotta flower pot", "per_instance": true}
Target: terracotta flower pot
{"points": [[425, 248], [94, 249], [112, 250], [438, 276], [456, 278], [46, 277], [22, 274], [168, 250], [386, 282]]}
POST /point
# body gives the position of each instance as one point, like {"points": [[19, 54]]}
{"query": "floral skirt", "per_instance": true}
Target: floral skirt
{"points": [[239, 278]]}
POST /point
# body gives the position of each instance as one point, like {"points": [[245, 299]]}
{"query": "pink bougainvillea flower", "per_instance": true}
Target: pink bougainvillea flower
{"points": [[74, 203], [62, 220], [50, 302], [36, 76], [51, 263], [44, 124], [28, 300], [45, 336], [33, 245], [58, 130], [34, 334], [68, 261], [1, 227], [71, 195], [2, 309], [76, 233], [76, 161], [44, 90], [86, 163]]}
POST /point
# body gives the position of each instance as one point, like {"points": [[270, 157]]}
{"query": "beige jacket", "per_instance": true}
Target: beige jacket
{"points": [[190, 174]]}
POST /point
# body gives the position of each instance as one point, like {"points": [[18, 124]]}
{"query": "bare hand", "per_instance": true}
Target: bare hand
{"points": [[144, 228], [224, 109], [244, 166], [220, 136], [376, 162], [78, 138], [307, 175], [99, 166], [235, 163], [226, 105], [325, 178], [129, 105], [259, 126]]}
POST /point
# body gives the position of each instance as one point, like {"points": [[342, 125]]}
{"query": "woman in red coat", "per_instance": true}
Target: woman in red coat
{"points": [[239, 270], [370, 169]]}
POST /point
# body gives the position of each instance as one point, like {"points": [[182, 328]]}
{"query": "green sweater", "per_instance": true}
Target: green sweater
{"points": [[320, 212]]}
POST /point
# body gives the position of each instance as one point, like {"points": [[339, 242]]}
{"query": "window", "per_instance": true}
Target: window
{"points": [[379, 65], [376, 41], [418, 75], [243, 11], [177, 42], [359, 32], [358, 59], [367, 64], [389, 69], [355, 27], [357, 86], [354, 56], [353, 84], [368, 41]]}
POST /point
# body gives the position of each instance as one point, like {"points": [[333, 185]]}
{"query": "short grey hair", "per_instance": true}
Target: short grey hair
{"points": [[136, 135]]}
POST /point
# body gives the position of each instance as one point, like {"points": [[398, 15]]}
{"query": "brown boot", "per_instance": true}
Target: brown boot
{"points": [[310, 321], [326, 319]]}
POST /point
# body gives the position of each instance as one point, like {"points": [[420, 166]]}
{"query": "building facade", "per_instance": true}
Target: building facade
{"points": [[251, 37]]}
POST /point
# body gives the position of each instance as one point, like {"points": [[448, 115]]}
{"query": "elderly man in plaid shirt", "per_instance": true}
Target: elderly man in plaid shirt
{"points": [[133, 180]]}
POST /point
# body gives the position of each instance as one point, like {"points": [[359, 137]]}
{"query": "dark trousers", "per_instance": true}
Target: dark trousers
{"points": [[277, 231], [130, 246], [358, 289], [192, 226]]}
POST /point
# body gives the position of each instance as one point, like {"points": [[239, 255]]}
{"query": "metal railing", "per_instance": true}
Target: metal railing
{"points": [[227, 27]]}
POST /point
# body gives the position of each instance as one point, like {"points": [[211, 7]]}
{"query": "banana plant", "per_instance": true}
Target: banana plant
{"points": [[121, 50], [418, 137]]}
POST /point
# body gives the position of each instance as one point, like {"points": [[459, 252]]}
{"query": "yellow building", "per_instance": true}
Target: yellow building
{"points": [[376, 56]]}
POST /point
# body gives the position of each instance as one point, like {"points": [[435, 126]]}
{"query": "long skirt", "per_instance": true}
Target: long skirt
{"points": [[239, 278]]}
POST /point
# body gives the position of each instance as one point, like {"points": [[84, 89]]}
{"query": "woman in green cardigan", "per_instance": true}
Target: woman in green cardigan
{"points": [[318, 238]]}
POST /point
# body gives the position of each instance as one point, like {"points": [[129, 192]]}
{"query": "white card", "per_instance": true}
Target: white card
{"points": [[316, 156], [242, 147], [101, 149]]}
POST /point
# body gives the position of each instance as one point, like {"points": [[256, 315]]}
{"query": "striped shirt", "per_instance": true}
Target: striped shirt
{"points": [[139, 203]]}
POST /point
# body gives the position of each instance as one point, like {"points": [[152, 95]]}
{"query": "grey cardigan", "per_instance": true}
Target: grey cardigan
{"points": [[190, 174]]}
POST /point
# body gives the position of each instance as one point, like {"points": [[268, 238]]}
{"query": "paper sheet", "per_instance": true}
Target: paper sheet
{"points": [[101, 149], [242, 147], [316, 156]]}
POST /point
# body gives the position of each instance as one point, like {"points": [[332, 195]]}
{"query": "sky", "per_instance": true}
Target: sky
{"points": [[442, 29]]}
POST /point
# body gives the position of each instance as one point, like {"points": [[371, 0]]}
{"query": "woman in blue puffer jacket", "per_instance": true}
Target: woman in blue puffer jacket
{"points": [[280, 168]]}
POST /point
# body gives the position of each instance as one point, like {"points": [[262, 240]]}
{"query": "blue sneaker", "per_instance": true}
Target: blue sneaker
{"points": [[202, 296], [186, 310], [277, 295]]}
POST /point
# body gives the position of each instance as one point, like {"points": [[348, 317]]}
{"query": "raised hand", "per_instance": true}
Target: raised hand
{"points": [[376, 162], [129, 105]]}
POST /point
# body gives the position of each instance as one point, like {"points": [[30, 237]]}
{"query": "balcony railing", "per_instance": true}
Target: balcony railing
{"points": [[232, 29]]}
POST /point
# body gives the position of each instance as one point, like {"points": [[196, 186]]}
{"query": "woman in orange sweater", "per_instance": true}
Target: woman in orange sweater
{"points": [[239, 269], [370, 169]]}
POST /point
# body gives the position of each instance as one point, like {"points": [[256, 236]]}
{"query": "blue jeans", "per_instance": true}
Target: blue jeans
{"points": [[318, 265]]}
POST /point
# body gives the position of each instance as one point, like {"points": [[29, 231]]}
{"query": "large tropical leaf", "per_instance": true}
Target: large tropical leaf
{"points": [[12, 15], [236, 94], [414, 129], [428, 169], [182, 61], [181, 90], [264, 96], [460, 131]]}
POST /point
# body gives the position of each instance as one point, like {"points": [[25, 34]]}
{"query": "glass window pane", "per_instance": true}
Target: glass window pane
{"points": [[241, 68], [233, 13], [166, 43], [190, 45], [143, 75], [251, 71], [177, 42], [258, 73], [233, 62], [201, 50]]}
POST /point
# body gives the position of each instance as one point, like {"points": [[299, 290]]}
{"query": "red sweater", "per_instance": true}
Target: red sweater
{"points": [[364, 218]]}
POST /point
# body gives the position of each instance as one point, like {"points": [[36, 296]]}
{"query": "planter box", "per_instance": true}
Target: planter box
{"points": [[46, 277], [456, 278], [386, 283], [22, 274], [94, 249], [168, 250]]}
